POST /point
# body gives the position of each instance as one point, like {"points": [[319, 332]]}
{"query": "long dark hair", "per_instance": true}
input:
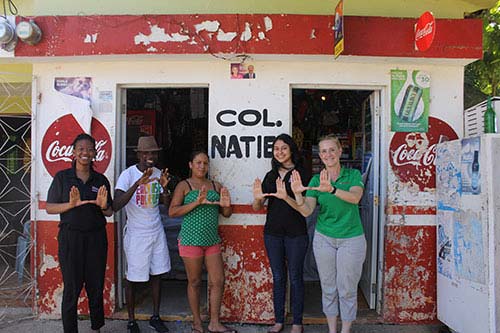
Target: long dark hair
{"points": [[83, 137], [294, 149]]}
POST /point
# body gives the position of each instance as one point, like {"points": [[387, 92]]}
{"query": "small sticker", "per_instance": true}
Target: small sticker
{"points": [[106, 95]]}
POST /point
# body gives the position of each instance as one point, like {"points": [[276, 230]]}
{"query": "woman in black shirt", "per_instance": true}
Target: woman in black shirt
{"points": [[82, 198], [285, 231]]}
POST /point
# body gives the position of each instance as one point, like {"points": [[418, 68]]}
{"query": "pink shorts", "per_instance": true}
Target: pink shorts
{"points": [[190, 251]]}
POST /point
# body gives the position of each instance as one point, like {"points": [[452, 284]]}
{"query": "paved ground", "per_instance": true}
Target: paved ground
{"points": [[52, 326]]}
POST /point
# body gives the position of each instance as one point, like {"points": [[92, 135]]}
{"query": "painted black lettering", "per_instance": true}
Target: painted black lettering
{"points": [[268, 146], [244, 113], [259, 146], [222, 122], [265, 122], [247, 140], [233, 147], [219, 145]]}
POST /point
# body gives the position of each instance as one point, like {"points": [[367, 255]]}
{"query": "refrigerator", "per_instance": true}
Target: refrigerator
{"points": [[468, 233]]}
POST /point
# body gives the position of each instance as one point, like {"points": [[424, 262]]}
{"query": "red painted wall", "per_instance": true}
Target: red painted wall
{"points": [[409, 289], [248, 281], [290, 34], [49, 276]]}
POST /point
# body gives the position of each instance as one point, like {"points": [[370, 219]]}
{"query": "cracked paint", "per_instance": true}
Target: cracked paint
{"points": [[225, 36], [410, 274], [91, 38], [49, 279], [48, 262], [313, 34], [268, 23], [248, 283], [211, 26], [158, 35], [246, 35]]}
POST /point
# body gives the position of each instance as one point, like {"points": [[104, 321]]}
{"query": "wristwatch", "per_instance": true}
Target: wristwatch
{"points": [[334, 190]]}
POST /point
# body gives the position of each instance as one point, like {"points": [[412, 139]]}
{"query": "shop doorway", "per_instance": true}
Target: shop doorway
{"points": [[178, 119], [353, 116]]}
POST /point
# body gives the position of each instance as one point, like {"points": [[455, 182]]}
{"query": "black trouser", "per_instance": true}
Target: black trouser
{"points": [[82, 257]]}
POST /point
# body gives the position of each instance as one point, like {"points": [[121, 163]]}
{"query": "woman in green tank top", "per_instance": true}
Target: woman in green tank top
{"points": [[200, 201]]}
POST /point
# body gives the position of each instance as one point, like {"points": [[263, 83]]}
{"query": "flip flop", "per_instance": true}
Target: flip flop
{"points": [[229, 330], [194, 330]]}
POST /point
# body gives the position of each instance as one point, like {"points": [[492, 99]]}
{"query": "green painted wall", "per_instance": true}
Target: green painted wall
{"points": [[391, 8]]}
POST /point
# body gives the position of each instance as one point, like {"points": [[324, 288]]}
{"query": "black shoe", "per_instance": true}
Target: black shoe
{"points": [[132, 327], [157, 324]]}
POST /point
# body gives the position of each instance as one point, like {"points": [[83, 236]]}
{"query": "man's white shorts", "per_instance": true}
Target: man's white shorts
{"points": [[146, 255]]}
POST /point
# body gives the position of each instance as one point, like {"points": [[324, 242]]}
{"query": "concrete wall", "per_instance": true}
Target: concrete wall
{"points": [[409, 243]]}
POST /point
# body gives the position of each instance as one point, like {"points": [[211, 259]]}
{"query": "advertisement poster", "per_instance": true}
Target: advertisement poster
{"points": [[409, 100], [242, 71], [445, 260], [469, 161], [80, 87], [75, 93], [338, 41]]}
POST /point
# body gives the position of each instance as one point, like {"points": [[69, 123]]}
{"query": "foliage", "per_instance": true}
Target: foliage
{"points": [[482, 77]]}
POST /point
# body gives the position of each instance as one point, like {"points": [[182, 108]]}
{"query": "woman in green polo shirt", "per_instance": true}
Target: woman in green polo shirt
{"points": [[339, 239]]}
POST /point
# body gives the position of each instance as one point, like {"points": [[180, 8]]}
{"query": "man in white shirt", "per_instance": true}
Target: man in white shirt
{"points": [[138, 189]]}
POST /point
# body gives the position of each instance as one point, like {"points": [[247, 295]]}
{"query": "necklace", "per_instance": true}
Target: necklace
{"points": [[287, 168]]}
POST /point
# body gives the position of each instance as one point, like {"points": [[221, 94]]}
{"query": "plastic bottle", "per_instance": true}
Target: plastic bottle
{"points": [[489, 118]]}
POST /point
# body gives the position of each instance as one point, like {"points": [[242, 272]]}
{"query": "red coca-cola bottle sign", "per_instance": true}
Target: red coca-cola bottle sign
{"points": [[413, 155], [57, 149], [425, 29]]}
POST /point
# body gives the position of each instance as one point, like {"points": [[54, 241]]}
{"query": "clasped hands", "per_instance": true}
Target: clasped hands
{"points": [[296, 185]]}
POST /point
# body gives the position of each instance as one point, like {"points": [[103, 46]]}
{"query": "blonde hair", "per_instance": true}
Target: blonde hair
{"points": [[332, 137]]}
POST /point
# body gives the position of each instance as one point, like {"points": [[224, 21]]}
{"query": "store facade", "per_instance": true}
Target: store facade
{"points": [[160, 58]]}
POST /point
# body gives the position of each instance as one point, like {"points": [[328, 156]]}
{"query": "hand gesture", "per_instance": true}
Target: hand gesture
{"points": [[74, 196], [164, 178], [257, 190], [202, 196], [146, 177], [297, 186], [225, 198], [324, 182], [280, 189], [75, 199], [102, 197]]}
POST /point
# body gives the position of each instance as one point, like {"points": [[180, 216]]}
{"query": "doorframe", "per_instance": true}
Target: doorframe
{"points": [[120, 163], [382, 134]]}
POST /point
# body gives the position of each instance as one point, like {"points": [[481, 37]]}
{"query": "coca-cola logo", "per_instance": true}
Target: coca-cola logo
{"points": [[57, 146], [425, 29], [413, 155]]}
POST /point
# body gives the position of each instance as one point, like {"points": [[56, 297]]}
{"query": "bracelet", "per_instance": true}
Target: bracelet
{"points": [[302, 204], [334, 190]]}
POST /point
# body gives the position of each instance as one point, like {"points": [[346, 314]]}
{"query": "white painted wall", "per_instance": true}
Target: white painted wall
{"points": [[271, 90]]}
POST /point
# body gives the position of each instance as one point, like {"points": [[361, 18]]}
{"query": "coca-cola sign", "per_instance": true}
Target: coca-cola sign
{"points": [[413, 155], [57, 149], [425, 29]]}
